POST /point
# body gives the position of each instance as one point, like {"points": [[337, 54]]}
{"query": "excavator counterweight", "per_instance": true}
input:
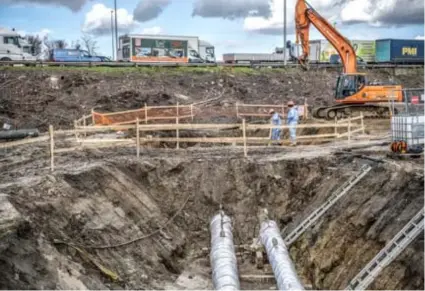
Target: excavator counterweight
{"points": [[353, 92]]}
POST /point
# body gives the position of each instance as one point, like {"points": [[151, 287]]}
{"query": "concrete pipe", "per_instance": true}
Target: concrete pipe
{"points": [[18, 134], [283, 269], [225, 274]]}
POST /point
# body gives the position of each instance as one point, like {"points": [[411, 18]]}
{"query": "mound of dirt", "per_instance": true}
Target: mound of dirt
{"points": [[147, 221], [29, 98]]}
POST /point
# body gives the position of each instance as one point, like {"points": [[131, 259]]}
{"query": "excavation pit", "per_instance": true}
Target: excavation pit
{"points": [[147, 221]]}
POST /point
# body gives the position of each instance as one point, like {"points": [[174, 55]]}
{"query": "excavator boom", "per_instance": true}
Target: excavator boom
{"points": [[305, 15], [353, 93]]}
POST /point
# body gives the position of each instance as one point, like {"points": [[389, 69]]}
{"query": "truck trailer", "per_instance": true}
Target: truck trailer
{"points": [[13, 47], [322, 51], [145, 48], [400, 51], [251, 58]]}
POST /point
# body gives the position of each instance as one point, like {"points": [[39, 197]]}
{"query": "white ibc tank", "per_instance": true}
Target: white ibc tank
{"points": [[408, 128]]}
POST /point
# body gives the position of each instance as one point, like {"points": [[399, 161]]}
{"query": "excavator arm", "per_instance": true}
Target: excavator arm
{"points": [[306, 15]]}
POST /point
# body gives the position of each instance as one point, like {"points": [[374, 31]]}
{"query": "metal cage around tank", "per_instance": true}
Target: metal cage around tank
{"points": [[407, 121]]}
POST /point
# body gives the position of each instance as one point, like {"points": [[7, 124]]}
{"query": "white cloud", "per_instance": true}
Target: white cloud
{"points": [[420, 37], [74, 5], [150, 9], [153, 30], [232, 9], [383, 12], [41, 34], [373, 12], [98, 20], [274, 24]]}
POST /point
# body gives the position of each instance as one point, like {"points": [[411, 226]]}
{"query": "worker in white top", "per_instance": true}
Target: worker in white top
{"points": [[275, 120], [292, 121]]}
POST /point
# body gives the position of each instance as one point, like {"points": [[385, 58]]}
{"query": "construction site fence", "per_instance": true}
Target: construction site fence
{"points": [[82, 134], [412, 104], [145, 114], [263, 110]]}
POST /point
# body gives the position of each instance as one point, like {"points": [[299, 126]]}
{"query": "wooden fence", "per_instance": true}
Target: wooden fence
{"points": [[145, 114], [262, 110], [349, 126]]}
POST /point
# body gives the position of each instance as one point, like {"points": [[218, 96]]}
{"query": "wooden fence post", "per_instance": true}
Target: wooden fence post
{"points": [[191, 110], [52, 148], [177, 134], [146, 113], [177, 130], [92, 117], [75, 130], [84, 124], [349, 128], [137, 138], [336, 128], [363, 129], [245, 151], [305, 109], [237, 110]]}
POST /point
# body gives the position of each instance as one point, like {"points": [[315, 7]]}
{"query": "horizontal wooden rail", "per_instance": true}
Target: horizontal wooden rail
{"points": [[23, 141], [167, 117], [164, 127], [170, 107], [317, 125], [104, 140], [237, 140], [254, 114], [119, 112], [345, 120], [262, 105]]}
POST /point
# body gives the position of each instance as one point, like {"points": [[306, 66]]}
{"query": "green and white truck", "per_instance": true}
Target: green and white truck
{"points": [[164, 49]]}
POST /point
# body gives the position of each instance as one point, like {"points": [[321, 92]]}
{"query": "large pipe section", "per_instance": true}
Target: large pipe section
{"points": [[283, 269], [223, 258]]}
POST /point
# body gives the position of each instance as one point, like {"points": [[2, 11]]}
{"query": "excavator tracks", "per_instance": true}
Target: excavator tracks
{"points": [[343, 111]]}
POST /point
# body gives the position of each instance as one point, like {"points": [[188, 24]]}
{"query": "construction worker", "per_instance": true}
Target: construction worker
{"points": [[292, 120], [276, 120]]}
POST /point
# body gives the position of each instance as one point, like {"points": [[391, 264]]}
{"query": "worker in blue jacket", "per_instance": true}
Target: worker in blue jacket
{"points": [[292, 120], [275, 120]]}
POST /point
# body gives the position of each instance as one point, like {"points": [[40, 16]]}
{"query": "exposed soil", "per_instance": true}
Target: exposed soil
{"points": [[105, 220], [28, 99], [104, 198]]}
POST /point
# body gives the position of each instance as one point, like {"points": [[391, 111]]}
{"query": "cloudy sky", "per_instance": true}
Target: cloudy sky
{"points": [[231, 25]]}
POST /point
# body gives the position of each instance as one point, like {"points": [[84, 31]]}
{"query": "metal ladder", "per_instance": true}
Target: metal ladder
{"points": [[402, 239], [313, 217]]}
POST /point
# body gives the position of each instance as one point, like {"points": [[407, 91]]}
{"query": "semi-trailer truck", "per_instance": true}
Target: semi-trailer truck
{"points": [[164, 49]]}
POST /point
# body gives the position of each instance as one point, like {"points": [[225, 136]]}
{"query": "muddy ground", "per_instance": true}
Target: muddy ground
{"points": [[28, 99], [105, 220], [111, 205]]}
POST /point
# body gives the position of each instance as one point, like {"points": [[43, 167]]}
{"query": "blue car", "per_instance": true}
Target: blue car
{"points": [[73, 55]]}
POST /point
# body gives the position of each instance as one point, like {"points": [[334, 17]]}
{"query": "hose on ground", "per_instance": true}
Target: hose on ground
{"points": [[158, 230]]}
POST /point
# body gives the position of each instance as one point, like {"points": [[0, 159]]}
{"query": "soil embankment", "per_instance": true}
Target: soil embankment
{"points": [[29, 98]]}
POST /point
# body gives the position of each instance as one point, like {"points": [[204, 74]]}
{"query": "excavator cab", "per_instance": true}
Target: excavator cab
{"points": [[348, 85]]}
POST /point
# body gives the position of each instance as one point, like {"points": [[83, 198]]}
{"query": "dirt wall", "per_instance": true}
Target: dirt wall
{"points": [[114, 202]]}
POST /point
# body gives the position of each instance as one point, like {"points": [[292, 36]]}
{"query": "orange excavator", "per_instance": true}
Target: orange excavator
{"points": [[353, 93]]}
